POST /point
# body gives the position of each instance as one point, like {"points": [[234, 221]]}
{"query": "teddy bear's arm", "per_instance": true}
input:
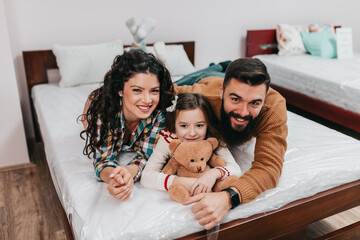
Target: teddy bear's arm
{"points": [[216, 161], [171, 167]]}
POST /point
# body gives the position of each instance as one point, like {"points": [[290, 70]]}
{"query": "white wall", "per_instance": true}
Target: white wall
{"points": [[218, 27], [13, 150]]}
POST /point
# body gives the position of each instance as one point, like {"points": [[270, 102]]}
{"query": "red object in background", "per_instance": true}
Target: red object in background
{"points": [[261, 42]]}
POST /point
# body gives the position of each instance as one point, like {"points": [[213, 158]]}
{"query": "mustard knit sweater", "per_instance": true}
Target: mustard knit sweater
{"points": [[270, 132]]}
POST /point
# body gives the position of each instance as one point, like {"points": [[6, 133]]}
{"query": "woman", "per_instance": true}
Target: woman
{"points": [[126, 114]]}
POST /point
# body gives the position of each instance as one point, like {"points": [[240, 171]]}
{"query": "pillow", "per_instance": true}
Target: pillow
{"points": [[84, 64], [322, 44], [175, 59], [289, 39], [320, 27], [173, 56]]}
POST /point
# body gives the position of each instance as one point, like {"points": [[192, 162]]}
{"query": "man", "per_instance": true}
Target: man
{"points": [[248, 108]]}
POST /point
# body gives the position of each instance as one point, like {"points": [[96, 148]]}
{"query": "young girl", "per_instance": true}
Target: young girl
{"points": [[126, 114], [190, 118]]}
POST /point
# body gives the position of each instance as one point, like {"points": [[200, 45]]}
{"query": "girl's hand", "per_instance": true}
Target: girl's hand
{"points": [[187, 182], [121, 183], [206, 182]]}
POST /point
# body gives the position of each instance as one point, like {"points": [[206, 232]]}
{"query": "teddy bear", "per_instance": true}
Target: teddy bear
{"points": [[190, 159]]}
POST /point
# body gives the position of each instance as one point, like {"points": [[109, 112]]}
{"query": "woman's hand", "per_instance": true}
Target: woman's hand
{"points": [[83, 116], [121, 183], [205, 183]]}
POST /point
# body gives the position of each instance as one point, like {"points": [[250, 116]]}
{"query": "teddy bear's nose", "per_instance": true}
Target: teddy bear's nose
{"points": [[199, 169]]}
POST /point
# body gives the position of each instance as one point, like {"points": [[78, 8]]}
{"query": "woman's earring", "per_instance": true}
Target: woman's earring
{"points": [[120, 95]]}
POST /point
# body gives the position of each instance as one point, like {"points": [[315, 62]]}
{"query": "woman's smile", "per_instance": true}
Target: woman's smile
{"points": [[141, 95]]}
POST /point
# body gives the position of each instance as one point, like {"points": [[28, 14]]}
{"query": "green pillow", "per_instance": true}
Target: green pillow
{"points": [[322, 44]]}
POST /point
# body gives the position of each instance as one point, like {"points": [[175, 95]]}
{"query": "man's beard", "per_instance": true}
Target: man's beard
{"points": [[236, 136]]}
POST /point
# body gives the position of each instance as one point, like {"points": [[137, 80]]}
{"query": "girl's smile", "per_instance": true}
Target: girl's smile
{"points": [[191, 125]]}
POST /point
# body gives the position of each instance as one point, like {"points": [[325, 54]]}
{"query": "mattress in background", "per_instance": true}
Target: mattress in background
{"points": [[335, 81]]}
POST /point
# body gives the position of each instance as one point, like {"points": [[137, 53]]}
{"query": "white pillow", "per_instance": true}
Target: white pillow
{"points": [[289, 39], [174, 58], [319, 27], [84, 64]]}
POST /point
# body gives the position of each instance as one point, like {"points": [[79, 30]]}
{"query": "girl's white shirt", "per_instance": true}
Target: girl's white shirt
{"points": [[153, 178]]}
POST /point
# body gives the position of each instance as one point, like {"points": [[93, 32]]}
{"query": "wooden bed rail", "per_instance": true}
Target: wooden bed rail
{"points": [[290, 221]]}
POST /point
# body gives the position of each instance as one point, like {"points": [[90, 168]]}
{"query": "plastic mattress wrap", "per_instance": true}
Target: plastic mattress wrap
{"points": [[317, 159], [332, 80]]}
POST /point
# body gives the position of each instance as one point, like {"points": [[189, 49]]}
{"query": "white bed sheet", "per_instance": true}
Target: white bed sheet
{"points": [[336, 81], [317, 159]]}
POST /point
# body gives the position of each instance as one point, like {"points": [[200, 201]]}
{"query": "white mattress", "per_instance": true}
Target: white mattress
{"points": [[317, 159], [335, 81]]}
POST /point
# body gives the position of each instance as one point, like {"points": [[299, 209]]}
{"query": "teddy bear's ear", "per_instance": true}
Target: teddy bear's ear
{"points": [[213, 142], [174, 144]]}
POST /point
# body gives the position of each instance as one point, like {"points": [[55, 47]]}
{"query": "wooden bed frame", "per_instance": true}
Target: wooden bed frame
{"points": [[264, 42], [288, 222]]}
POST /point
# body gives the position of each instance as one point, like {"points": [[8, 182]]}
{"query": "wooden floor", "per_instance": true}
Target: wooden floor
{"points": [[30, 208]]}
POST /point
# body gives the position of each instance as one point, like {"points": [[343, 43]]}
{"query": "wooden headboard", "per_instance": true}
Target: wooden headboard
{"points": [[38, 62], [261, 42]]}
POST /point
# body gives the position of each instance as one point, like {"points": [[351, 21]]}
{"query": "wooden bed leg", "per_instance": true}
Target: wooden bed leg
{"points": [[346, 233], [297, 234]]}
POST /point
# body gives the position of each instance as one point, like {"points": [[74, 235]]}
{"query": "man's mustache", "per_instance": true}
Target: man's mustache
{"points": [[235, 115]]}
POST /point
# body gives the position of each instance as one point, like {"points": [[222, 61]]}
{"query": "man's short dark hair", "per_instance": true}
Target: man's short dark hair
{"points": [[247, 70]]}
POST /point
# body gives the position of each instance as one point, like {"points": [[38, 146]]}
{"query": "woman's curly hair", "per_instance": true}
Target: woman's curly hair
{"points": [[105, 101]]}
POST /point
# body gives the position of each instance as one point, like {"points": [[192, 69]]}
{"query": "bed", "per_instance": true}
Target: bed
{"points": [[319, 177], [328, 90]]}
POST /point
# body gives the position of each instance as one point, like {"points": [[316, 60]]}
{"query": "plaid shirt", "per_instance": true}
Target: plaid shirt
{"points": [[143, 143]]}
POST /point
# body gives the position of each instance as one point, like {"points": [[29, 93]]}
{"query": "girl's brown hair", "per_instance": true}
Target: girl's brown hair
{"points": [[187, 101]]}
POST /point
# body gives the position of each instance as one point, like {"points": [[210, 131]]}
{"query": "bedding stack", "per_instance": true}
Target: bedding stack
{"points": [[318, 40]]}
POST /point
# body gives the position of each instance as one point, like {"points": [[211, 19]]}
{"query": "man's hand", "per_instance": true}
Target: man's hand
{"points": [[210, 208]]}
